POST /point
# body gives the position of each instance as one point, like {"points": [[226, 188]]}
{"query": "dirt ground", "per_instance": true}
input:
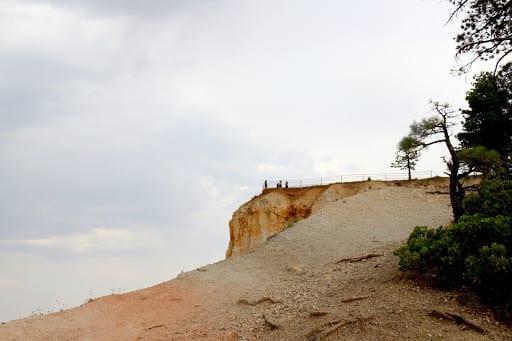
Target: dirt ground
{"points": [[299, 285]]}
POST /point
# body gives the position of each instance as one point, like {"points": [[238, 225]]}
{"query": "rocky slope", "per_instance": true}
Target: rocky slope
{"points": [[303, 284], [276, 209]]}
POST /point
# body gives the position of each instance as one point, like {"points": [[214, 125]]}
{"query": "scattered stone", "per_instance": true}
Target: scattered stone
{"points": [[296, 269]]}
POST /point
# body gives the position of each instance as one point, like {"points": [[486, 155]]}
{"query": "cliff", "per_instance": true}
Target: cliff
{"points": [[293, 281], [276, 209]]}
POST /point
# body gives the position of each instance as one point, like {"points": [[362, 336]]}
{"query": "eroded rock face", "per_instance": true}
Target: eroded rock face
{"points": [[256, 221], [277, 209], [268, 214]]}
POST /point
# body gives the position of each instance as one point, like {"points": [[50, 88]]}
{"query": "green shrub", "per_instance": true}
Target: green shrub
{"points": [[494, 198], [475, 252], [489, 272], [451, 253], [490, 275], [434, 252], [474, 231]]}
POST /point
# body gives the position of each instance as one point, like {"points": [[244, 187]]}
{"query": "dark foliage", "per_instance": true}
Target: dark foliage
{"points": [[494, 198], [475, 252], [486, 30], [488, 122]]}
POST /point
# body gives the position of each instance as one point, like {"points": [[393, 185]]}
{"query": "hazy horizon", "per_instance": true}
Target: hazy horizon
{"points": [[131, 131]]}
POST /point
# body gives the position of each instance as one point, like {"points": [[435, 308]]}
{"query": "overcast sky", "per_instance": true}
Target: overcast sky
{"points": [[131, 130]]}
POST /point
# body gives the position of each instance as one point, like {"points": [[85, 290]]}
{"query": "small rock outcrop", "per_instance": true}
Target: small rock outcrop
{"points": [[277, 209]]}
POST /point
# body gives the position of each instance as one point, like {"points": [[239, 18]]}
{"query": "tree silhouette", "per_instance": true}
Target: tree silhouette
{"points": [[486, 30]]}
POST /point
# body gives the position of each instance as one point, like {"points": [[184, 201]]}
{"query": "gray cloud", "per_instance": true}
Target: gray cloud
{"points": [[163, 117], [28, 90], [123, 135], [80, 184], [129, 7]]}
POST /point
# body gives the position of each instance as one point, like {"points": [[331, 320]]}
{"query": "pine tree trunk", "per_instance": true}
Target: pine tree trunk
{"points": [[409, 168], [456, 189]]}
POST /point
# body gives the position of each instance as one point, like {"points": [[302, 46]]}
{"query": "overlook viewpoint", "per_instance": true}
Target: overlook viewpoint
{"points": [[330, 274]]}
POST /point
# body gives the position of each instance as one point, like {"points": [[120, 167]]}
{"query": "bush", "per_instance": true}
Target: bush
{"points": [[494, 198], [476, 246], [490, 276], [433, 252], [475, 252]]}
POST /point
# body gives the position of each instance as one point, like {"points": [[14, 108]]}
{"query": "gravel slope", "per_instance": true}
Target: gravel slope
{"points": [[275, 291]]}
